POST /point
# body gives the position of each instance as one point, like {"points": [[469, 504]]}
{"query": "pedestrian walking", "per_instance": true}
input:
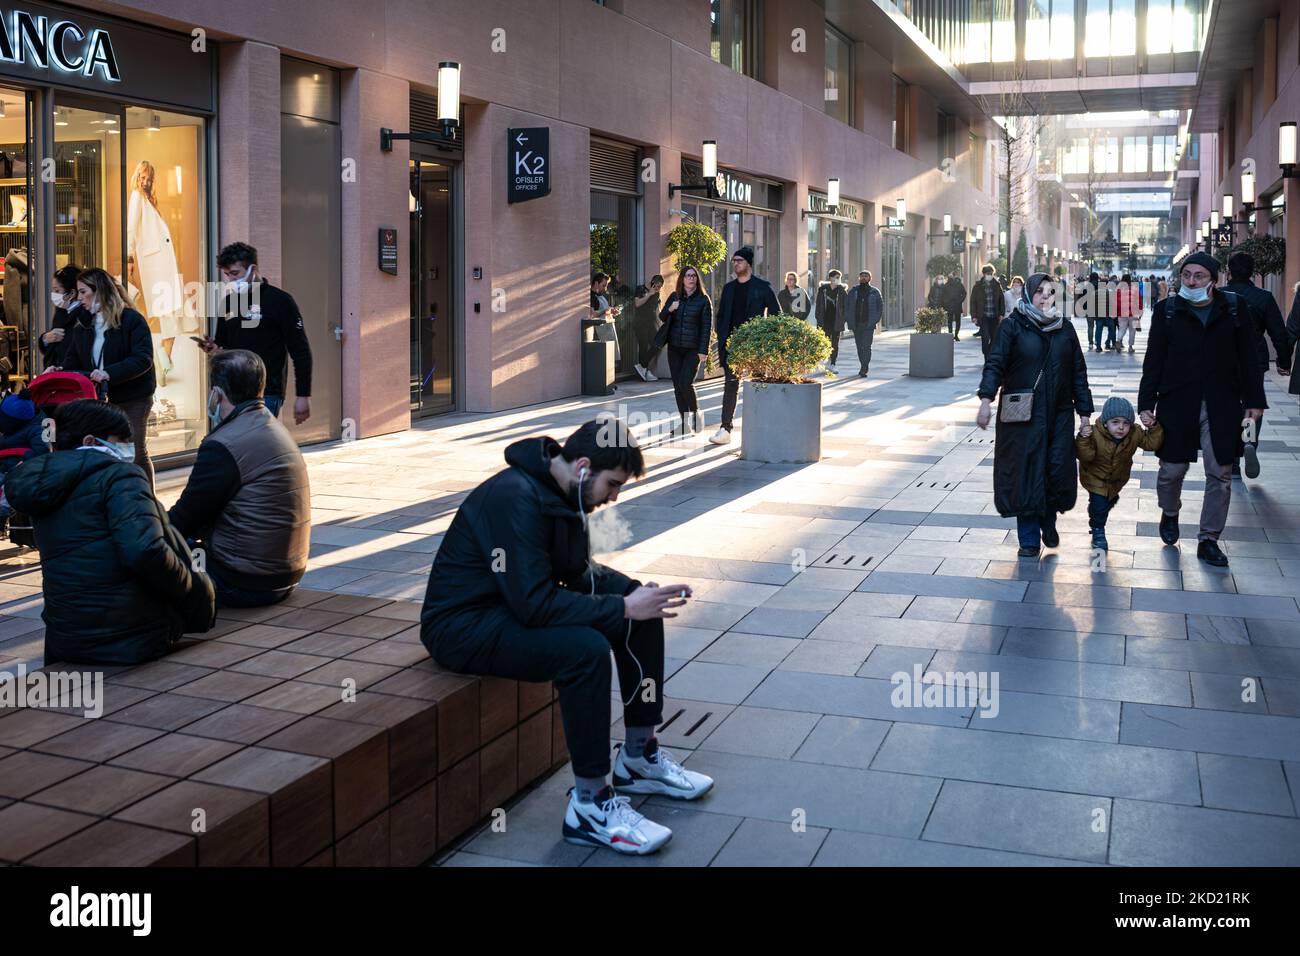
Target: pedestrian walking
{"points": [[1037, 372], [1201, 378], [687, 319], [987, 306], [864, 306], [1266, 319], [954, 301], [1105, 449], [830, 311], [743, 298], [794, 298]]}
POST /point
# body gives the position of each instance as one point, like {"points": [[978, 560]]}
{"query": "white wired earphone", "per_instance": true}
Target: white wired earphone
{"points": [[591, 572]]}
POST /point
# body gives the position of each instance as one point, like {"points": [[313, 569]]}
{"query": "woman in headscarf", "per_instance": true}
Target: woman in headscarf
{"points": [[1036, 353]]}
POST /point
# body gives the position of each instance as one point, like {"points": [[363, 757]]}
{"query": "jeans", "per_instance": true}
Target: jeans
{"points": [[1030, 528], [988, 328], [273, 404], [577, 660], [684, 362], [1099, 509], [645, 329], [230, 596], [862, 336], [730, 389], [137, 412], [1127, 327], [1218, 486], [833, 330]]}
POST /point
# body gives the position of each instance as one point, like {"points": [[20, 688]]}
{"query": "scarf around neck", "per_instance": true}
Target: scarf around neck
{"points": [[1045, 322]]}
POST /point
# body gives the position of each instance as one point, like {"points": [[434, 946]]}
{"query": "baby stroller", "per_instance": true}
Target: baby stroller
{"points": [[51, 388]]}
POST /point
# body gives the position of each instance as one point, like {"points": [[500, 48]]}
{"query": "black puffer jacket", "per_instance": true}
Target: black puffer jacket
{"points": [[516, 554], [116, 575], [127, 355], [690, 325], [1033, 462], [1266, 318]]}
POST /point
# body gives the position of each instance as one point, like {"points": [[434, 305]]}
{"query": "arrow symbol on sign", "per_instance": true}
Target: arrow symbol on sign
{"points": [[521, 139]]}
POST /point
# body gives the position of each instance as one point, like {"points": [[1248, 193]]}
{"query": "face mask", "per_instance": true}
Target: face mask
{"points": [[95, 308], [243, 282], [214, 408], [125, 452], [1195, 296], [58, 299]]}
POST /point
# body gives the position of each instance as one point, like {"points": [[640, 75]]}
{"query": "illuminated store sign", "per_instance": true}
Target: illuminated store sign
{"points": [[60, 45]]}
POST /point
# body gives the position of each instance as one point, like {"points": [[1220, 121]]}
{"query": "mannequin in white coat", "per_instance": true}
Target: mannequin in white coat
{"points": [[151, 253]]}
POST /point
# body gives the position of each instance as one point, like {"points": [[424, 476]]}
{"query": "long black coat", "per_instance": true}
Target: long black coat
{"points": [[1034, 471], [119, 588], [1293, 338], [1188, 363], [953, 296], [1266, 319]]}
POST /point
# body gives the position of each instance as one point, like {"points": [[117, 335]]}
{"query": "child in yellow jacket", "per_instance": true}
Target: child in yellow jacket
{"points": [[1106, 449]]}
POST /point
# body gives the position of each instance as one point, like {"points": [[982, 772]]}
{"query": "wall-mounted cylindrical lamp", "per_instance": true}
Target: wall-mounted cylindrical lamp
{"points": [[449, 94], [709, 158], [1286, 148], [947, 222], [1248, 190], [832, 192], [1228, 202], [979, 233], [900, 209]]}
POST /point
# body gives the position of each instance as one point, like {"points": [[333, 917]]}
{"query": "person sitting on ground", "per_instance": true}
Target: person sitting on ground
{"points": [[514, 593], [116, 576], [247, 498], [1106, 448]]}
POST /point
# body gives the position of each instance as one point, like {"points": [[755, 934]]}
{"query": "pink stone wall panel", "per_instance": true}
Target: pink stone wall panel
{"points": [[679, 20]]}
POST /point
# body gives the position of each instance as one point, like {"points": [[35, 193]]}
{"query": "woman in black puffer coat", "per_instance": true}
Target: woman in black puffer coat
{"points": [[1035, 476], [688, 319], [117, 581]]}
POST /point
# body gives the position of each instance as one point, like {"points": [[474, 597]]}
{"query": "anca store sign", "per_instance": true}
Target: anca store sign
{"points": [[59, 45]]}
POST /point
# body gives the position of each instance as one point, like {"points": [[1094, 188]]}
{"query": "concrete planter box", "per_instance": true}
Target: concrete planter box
{"points": [[930, 355], [783, 423]]}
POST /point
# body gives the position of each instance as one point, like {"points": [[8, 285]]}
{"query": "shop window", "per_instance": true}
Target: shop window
{"points": [[17, 236], [166, 268], [613, 233]]}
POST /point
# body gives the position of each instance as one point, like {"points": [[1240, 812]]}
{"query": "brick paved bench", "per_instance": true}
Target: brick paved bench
{"points": [[247, 733]]}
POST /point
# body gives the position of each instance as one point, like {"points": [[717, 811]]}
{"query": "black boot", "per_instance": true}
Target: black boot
{"points": [[1169, 528], [1210, 553]]}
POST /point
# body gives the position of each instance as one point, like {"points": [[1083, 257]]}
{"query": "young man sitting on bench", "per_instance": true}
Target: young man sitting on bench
{"points": [[515, 593]]}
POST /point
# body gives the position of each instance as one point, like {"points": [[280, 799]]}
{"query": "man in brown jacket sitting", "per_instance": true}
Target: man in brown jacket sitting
{"points": [[247, 499], [1106, 449]]}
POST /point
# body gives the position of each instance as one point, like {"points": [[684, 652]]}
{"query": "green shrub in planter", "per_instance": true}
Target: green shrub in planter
{"points": [[777, 348], [695, 244], [931, 320]]}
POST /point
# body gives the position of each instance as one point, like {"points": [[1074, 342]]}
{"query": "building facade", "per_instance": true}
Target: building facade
{"points": [[424, 289]]}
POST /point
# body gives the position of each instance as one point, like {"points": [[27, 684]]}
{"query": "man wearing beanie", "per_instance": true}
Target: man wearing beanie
{"points": [[1201, 377], [1106, 449], [743, 298]]}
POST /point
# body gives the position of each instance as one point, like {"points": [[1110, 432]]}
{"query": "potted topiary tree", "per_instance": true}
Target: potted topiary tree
{"points": [[783, 409], [695, 244], [929, 350]]}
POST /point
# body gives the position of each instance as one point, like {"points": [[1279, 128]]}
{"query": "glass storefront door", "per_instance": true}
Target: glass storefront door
{"points": [[432, 326], [17, 239], [895, 279]]}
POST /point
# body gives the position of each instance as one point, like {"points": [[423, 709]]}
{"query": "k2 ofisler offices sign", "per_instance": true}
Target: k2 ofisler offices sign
{"points": [[529, 153]]}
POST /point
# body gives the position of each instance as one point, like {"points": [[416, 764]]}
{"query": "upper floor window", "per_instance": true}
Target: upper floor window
{"points": [[839, 75], [1135, 154], [1074, 156], [1105, 155], [1173, 26], [898, 129], [1049, 30], [946, 138], [734, 34], [1164, 151]]}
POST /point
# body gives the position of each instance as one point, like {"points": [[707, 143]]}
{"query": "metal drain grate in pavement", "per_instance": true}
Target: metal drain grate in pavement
{"points": [[934, 484], [839, 559], [688, 722]]}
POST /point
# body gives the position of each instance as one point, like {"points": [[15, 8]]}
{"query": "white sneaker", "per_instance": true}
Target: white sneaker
{"points": [[610, 821], [721, 437], [641, 370], [658, 772], [651, 376]]}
